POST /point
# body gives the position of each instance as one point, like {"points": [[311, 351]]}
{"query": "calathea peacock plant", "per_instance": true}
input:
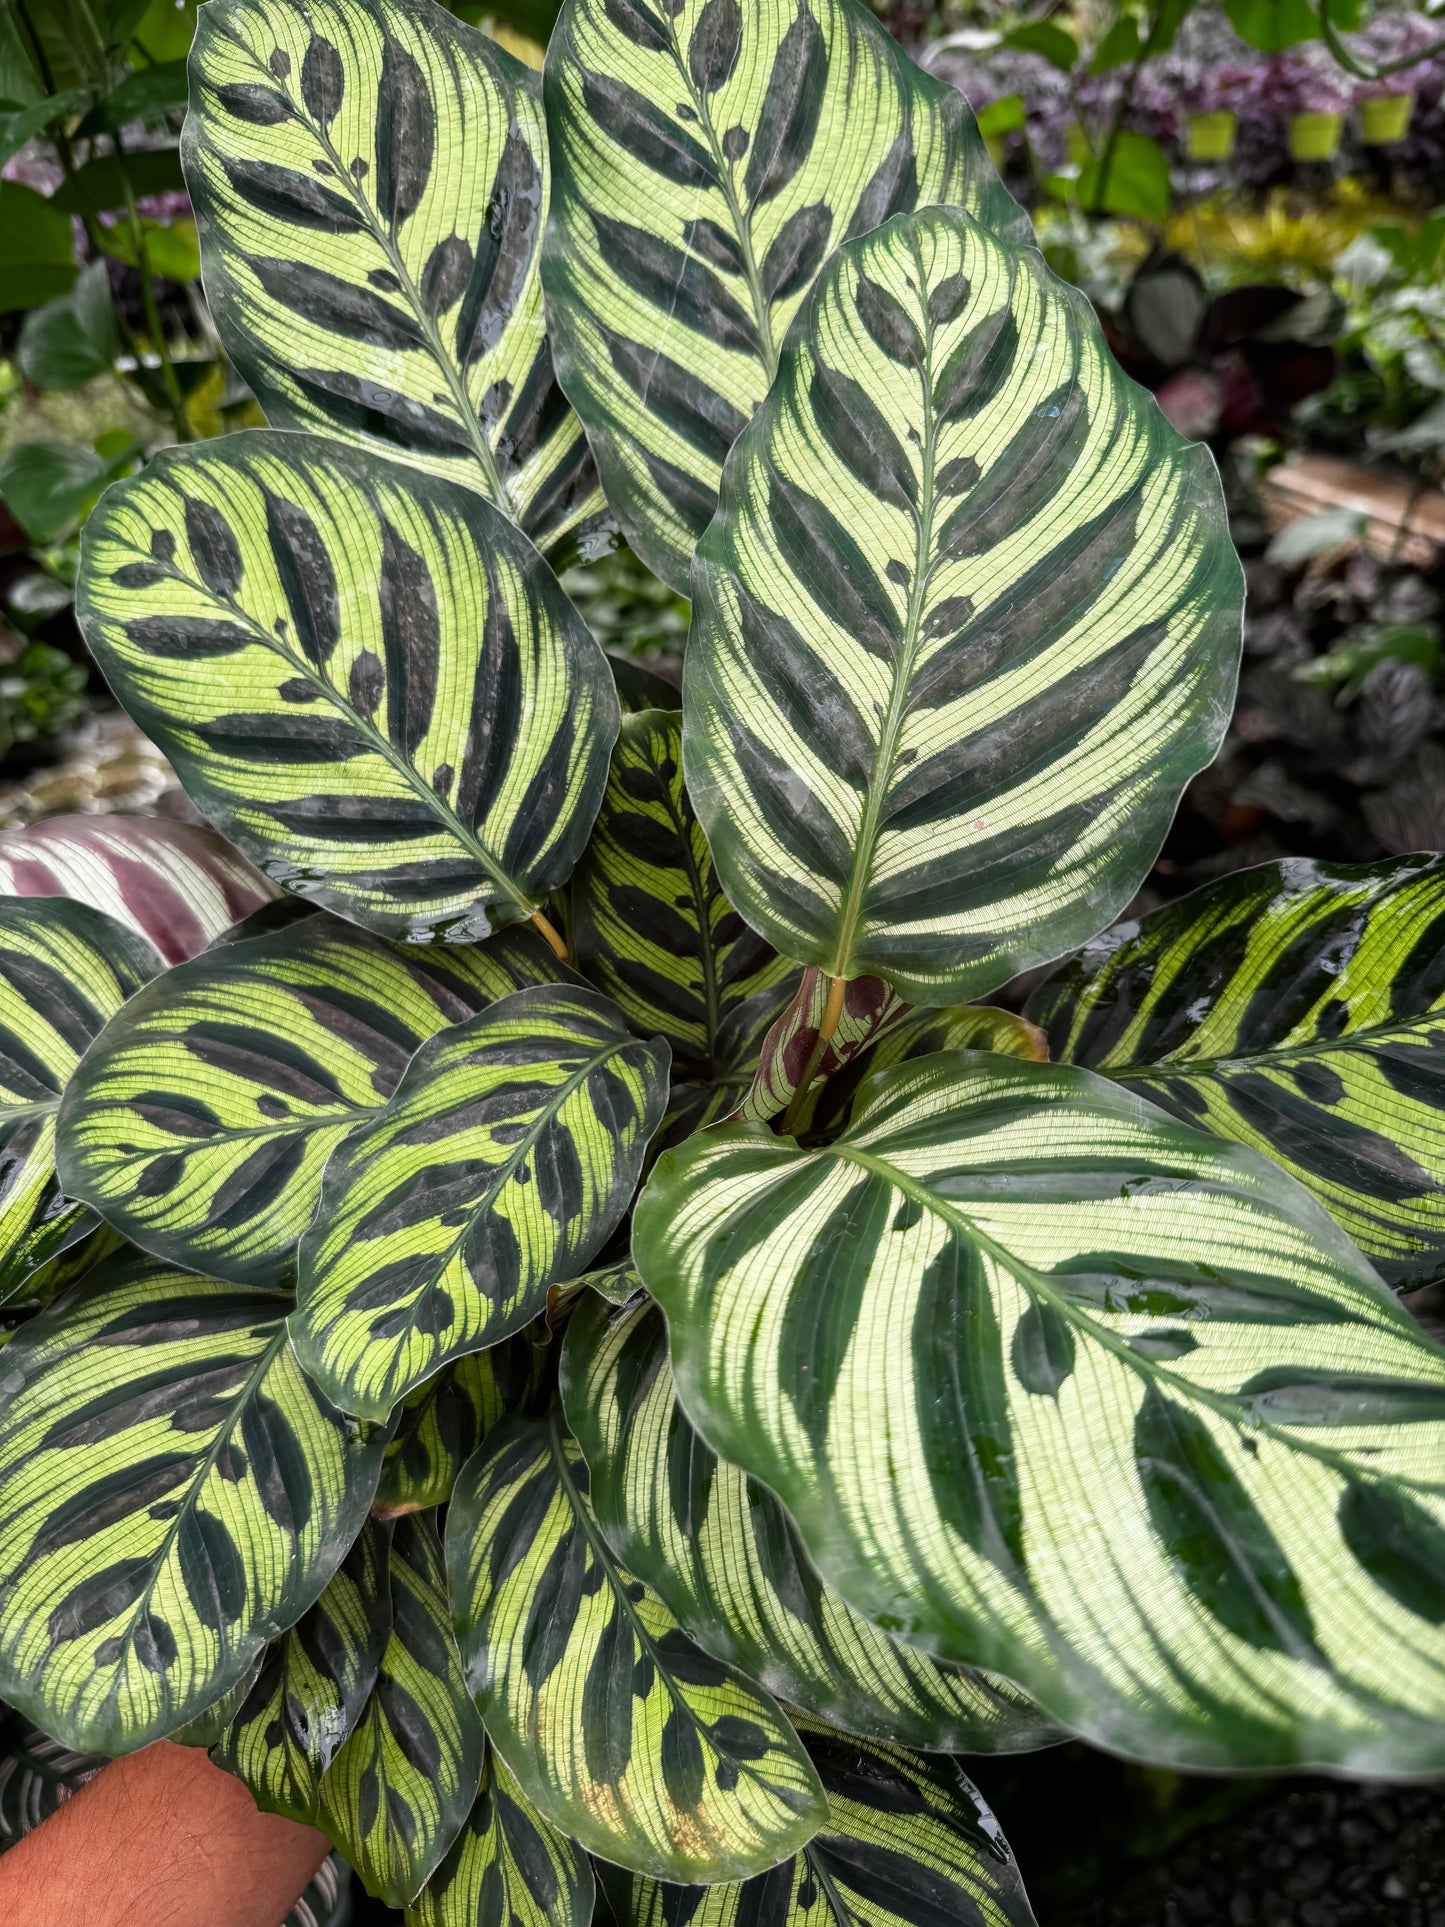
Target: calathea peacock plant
{"points": [[941, 1392]]}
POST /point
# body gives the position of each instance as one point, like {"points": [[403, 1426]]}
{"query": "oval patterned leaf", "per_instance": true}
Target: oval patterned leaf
{"points": [[439, 1426], [708, 158], [617, 1728], [507, 1866], [908, 1842], [64, 969], [312, 1685], [399, 1791], [178, 884], [1055, 1385], [501, 1166], [203, 1114], [723, 1556], [1298, 1008], [654, 930], [173, 1493], [365, 676], [370, 181], [967, 621]]}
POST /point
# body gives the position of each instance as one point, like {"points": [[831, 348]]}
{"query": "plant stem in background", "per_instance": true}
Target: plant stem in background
{"points": [[174, 397]]}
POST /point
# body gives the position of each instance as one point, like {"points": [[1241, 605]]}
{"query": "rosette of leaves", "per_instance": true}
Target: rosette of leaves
{"points": [[928, 1396]]}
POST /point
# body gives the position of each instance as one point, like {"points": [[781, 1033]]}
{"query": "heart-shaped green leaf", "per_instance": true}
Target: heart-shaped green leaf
{"points": [[400, 1790], [967, 621], [441, 1424], [201, 1118], [722, 1555], [64, 969], [501, 1166], [643, 1749], [507, 1865], [708, 156], [366, 677], [1298, 1008], [173, 1493], [1055, 1385], [370, 179]]}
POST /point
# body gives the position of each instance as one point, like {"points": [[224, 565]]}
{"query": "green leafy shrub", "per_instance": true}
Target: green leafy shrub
{"points": [[935, 1397]]}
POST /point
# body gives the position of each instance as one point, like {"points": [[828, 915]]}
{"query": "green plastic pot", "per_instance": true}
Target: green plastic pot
{"points": [[1385, 118], [1314, 137], [1211, 136]]}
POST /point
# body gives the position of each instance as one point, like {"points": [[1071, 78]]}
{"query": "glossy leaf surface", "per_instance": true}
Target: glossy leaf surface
{"points": [[370, 181], [1055, 1385], [204, 1113], [724, 1557], [619, 1730], [173, 1493], [796, 1052], [708, 156], [967, 621], [1298, 1008], [501, 1166], [507, 1865], [366, 677], [441, 1424]]}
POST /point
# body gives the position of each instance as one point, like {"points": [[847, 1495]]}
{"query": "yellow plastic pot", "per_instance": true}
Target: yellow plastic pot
{"points": [[1211, 136], [1385, 118], [1314, 137]]}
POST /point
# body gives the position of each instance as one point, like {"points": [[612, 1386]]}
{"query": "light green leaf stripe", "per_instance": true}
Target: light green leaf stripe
{"points": [[202, 1116], [400, 1790], [707, 157], [908, 1843], [173, 1494], [655, 932], [441, 1424], [618, 1729], [1298, 1008], [365, 676], [967, 621], [1055, 1385], [370, 182], [502, 1165], [64, 969], [724, 1557], [313, 1684], [508, 1867]]}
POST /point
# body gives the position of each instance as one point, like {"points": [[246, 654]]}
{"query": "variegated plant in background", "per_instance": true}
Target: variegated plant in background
{"points": [[960, 1378]]}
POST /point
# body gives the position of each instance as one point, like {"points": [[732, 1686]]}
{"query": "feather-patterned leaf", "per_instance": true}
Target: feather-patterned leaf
{"points": [[1298, 1008], [203, 1114], [64, 970], [908, 1842], [507, 1866], [441, 1424], [178, 884], [654, 930], [365, 676], [967, 620], [370, 181], [1055, 1385], [619, 1730], [707, 159], [37, 1776], [400, 1790], [501, 1166], [723, 1556], [312, 1685], [173, 1493]]}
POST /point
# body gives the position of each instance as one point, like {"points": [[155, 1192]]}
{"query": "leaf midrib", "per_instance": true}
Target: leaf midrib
{"points": [[1363, 1041]]}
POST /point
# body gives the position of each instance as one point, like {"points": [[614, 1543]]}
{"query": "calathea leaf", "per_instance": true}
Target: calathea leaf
{"points": [[173, 1493], [37, 1776], [708, 157], [441, 1424], [654, 930], [724, 1557], [370, 179], [643, 1749], [968, 619], [366, 677], [502, 1165], [908, 1842], [399, 1791], [1298, 1008], [207, 1728], [201, 1117], [64, 969], [1053, 1384], [506, 1865], [827, 1025], [313, 1683]]}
